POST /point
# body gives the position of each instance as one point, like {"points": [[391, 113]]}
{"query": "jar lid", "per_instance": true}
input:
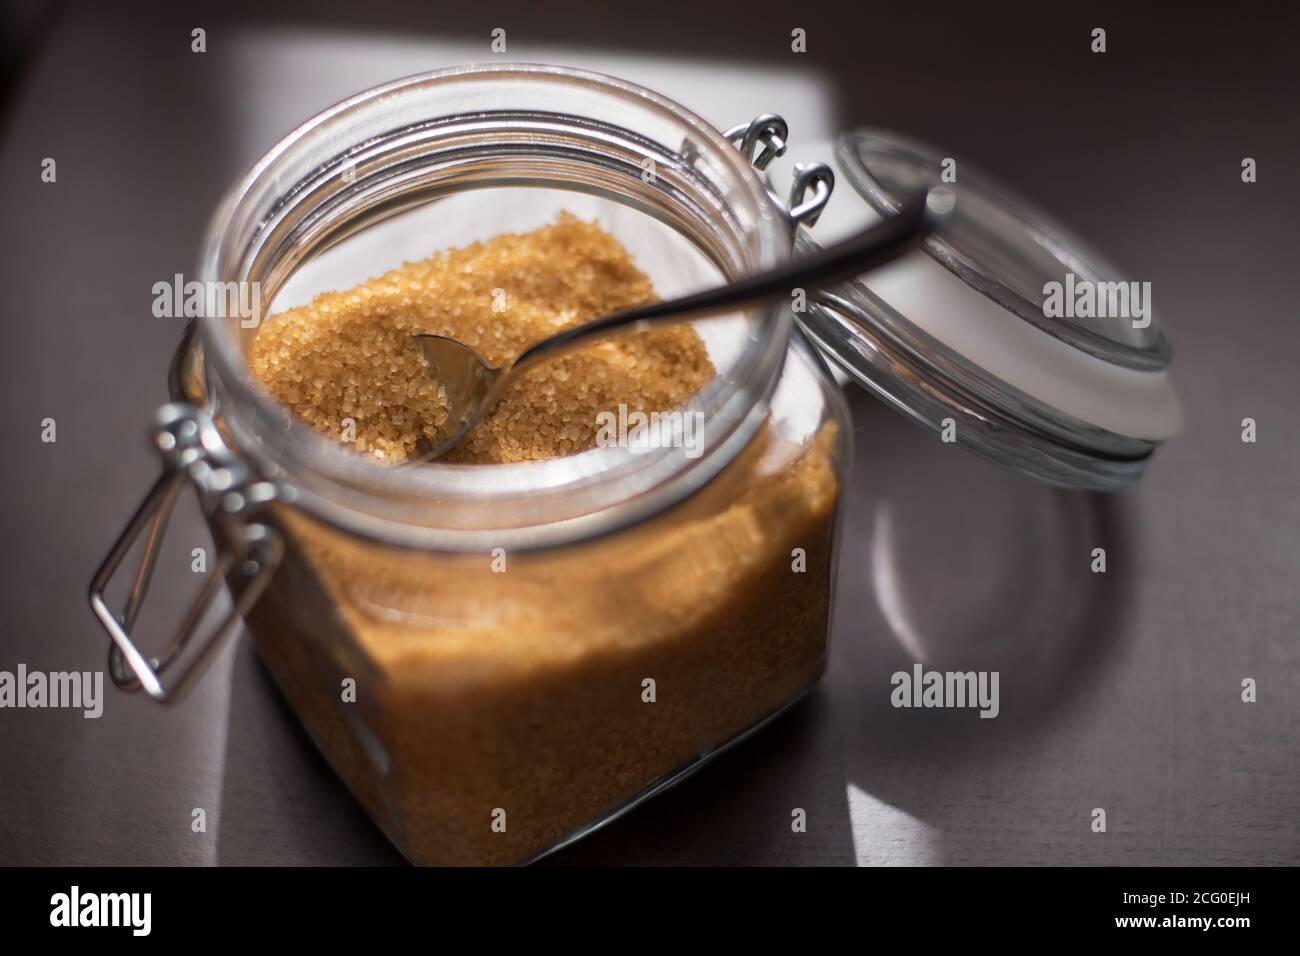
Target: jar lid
{"points": [[1004, 332]]}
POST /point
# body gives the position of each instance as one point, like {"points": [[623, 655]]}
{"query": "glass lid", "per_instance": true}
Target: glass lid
{"points": [[1004, 332]]}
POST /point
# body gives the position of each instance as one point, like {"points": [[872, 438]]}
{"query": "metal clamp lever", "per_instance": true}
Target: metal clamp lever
{"points": [[192, 450]]}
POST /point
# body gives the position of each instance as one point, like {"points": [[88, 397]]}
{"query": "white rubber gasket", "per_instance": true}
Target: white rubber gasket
{"points": [[1128, 402]]}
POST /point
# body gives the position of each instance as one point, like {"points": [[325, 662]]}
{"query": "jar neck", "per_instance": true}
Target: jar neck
{"points": [[426, 138]]}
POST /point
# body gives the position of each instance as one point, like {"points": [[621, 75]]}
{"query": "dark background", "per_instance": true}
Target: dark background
{"points": [[1119, 691]]}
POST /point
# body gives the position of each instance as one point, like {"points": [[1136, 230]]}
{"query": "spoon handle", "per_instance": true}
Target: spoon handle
{"points": [[872, 247]]}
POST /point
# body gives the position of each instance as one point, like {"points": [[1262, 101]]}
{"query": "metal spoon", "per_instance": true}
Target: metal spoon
{"points": [[474, 387]]}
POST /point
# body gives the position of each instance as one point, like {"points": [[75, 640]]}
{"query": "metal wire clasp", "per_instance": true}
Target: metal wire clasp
{"points": [[768, 130], [813, 182], [248, 553], [816, 179]]}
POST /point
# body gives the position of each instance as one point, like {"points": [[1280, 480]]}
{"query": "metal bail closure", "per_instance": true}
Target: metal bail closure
{"points": [[812, 183], [248, 553]]}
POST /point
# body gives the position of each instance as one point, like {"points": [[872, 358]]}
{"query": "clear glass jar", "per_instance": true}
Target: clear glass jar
{"points": [[499, 658]]}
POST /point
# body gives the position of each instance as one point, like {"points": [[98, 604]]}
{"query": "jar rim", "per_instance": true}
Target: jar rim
{"points": [[470, 507]]}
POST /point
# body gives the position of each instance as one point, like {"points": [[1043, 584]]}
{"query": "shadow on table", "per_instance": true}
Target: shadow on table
{"points": [[956, 563]]}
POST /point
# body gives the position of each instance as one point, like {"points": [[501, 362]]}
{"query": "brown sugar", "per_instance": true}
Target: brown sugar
{"points": [[525, 691], [350, 356], [520, 697]]}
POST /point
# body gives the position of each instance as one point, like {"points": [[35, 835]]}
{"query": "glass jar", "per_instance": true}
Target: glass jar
{"points": [[497, 659]]}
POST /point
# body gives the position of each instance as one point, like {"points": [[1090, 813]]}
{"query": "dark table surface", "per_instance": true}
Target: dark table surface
{"points": [[1119, 691]]}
